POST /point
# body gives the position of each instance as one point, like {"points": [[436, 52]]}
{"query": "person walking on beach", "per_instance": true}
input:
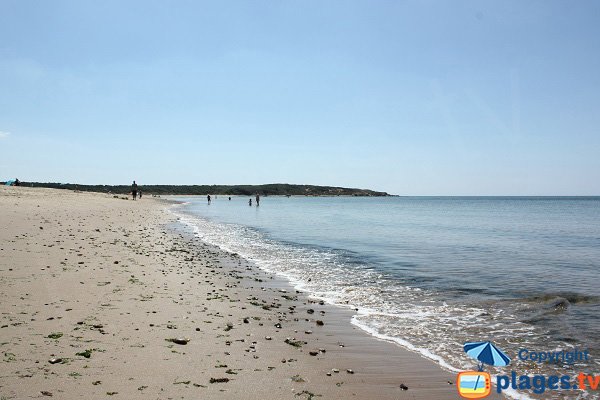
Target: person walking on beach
{"points": [[257, 200], [208, 198], [140, 194], [134, 189]]}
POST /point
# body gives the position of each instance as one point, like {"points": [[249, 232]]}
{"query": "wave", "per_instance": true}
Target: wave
{"points": [[568, 297]]}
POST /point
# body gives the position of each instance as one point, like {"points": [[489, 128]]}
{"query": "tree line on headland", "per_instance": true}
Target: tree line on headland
{"points": [[274, 189]]}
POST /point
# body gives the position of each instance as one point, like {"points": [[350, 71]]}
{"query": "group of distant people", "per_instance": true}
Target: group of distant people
{"points": [[257, 199], [136, 193]]}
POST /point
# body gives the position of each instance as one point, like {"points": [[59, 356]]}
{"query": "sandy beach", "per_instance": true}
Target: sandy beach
{"points": [[105, 297]]}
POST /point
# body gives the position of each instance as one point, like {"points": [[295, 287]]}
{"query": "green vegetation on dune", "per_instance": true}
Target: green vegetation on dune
{"points": [[274, 189]]}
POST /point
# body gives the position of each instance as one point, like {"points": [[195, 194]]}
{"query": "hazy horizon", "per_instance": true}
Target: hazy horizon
{"points": [[410, 98]]}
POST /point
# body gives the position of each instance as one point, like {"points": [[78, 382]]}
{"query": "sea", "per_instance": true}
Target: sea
{"points": [[432, 273]]}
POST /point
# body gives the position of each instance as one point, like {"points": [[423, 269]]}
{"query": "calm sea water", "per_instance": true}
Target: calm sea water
{"points": [[432, 273]]}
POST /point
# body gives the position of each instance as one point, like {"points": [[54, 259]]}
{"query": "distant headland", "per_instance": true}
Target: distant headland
{"points": [[273, 189]]}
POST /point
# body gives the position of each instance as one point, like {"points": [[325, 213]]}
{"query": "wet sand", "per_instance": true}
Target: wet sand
{"points": [[110, 298]]}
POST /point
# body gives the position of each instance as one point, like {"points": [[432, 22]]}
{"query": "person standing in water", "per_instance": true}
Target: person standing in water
{"points": [[249, 202], [208, 198], [257, 200], [134, 189]]}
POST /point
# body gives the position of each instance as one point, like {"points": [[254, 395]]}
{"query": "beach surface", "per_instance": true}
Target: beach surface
{"points": [[105, 297]]}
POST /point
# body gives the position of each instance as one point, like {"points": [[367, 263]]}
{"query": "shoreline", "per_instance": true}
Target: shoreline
{"points": [[299, 287], [117, 279], [367, 348]]}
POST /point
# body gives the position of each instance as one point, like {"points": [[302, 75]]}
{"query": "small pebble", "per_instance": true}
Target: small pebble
{"points": [[182, 341]]}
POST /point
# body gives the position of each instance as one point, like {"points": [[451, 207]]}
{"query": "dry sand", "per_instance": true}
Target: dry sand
{"points": [[99, 285]]}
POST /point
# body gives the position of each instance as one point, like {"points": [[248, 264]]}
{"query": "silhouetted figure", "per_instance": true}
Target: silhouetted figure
{"points": [[134, 190], [140, 194], [17, 182], [229, 198], [249, 202], [257, 200], [208, 198]]}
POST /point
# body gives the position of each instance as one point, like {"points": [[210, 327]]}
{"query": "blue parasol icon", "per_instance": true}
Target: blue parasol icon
{"points": [[487, 353]]}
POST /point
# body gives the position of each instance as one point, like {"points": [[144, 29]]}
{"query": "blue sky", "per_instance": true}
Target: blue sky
{"points": [[410, 97]]}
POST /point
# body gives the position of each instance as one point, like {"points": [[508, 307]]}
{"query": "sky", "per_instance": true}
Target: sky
{"points": [[408, 97]]}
